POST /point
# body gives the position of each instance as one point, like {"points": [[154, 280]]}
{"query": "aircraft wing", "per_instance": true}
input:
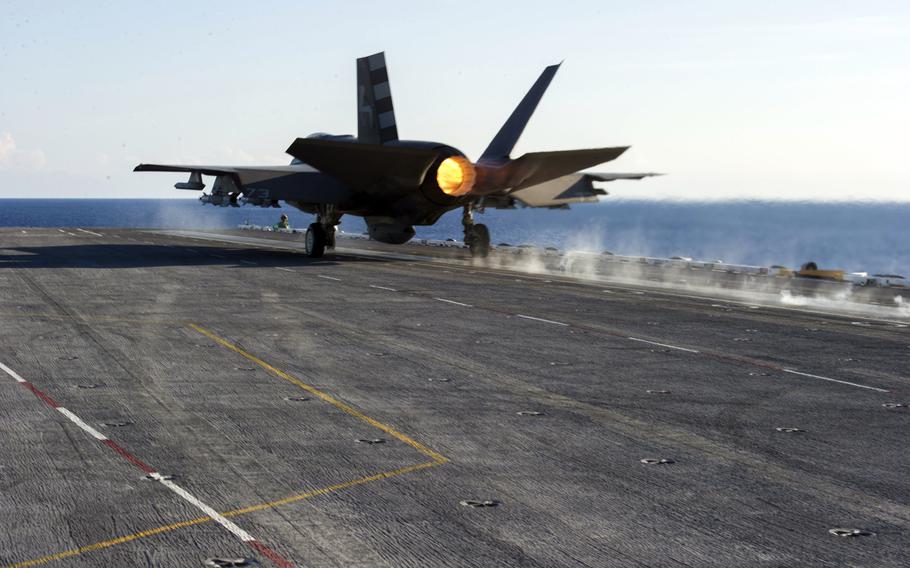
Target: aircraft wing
{"points": [[206, 170], [574, 188], [297, 182], [613, 177], [245, 174]]}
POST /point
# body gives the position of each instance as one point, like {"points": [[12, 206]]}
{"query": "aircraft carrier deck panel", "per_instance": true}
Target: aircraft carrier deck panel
{"points": [[183, 399]]}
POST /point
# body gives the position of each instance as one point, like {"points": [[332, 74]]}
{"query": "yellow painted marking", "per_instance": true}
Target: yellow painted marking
{"points": [[331, 488], [236, 512], [109, 543], [435, 456]]}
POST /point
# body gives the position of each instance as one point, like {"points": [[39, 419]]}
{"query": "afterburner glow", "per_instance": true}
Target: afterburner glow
{"points": [[455, 176]]}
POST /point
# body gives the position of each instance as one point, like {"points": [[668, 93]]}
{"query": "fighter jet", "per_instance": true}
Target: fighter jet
{"points": [[396, 184]]}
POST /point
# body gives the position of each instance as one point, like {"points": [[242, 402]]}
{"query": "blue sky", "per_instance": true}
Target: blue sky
{"points": [[781, 100]]}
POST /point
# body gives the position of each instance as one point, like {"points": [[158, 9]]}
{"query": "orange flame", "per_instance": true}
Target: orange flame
{"points": [[455, 176]]}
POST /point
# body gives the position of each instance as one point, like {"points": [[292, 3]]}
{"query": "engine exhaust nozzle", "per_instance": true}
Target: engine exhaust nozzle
{"points": [[455, 176]]}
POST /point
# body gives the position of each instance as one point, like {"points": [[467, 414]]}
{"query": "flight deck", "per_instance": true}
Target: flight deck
{"points": [[216, 398]]}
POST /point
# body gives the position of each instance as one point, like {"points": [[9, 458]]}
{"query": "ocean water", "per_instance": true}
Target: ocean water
{"points": [[873, 237]]}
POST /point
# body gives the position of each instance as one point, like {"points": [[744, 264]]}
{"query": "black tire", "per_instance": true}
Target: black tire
{"points": [[480, 242], [314, 241]]}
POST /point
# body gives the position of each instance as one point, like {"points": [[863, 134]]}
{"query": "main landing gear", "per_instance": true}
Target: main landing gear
{"points": [[321, 234], [477, 237]]}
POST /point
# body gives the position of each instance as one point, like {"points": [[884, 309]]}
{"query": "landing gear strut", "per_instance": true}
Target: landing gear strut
{"points": [[321, 234], [477, 237]]}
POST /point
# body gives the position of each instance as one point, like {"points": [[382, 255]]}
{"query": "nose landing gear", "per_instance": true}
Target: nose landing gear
{"points": [[476, 236]]}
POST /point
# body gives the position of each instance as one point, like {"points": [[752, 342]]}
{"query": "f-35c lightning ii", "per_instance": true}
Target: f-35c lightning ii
{"points": [[396, 184]]}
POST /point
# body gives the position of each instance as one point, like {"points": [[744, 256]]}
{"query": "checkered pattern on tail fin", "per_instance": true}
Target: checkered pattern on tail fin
{"points": [[375, 115]]}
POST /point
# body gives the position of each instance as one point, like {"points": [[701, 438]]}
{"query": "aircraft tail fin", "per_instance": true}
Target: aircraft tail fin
{"points": [[504, 141], [375, 114]]}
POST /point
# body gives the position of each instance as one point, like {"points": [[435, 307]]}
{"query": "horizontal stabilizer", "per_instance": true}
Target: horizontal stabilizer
{"points": [[538, 167], [574, 188], [362, 166], [614, 177]]}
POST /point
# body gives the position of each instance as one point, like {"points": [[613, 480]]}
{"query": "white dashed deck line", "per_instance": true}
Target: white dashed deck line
{"points": [[383, 288], [542, 320], [78, 422], [667, 345], [284, 269], [215, 515], [453, 302], [821, 378], [328, 277], [90, 232], [12, 373]]}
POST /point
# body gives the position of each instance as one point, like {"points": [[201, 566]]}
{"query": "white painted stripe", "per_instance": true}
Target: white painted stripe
{"points": [[285, 269], [329, 277], [78, 422], [215, 515], [542, 320], [663, 345], [12, 373], [791, 371], [453, 302], [61, 230], [91, 232], [383, 288]]}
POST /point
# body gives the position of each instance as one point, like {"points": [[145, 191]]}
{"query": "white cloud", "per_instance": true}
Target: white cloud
{"points": [[12, 158]]}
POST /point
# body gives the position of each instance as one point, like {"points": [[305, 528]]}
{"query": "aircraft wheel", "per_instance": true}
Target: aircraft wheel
{"points": [[480, 243], [314, 241]]}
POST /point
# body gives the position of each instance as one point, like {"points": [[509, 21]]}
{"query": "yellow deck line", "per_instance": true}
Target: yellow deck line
{"points": [[435, 456], [236, 512], [331, 488]]}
